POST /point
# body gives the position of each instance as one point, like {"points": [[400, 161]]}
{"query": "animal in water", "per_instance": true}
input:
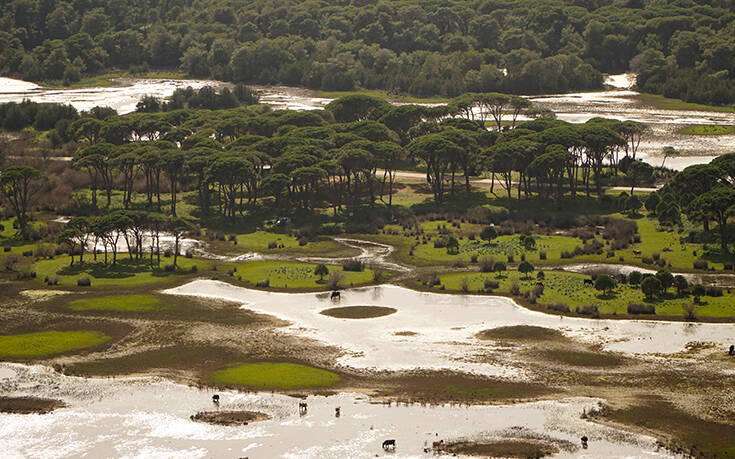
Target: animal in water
{"points": [[437, 445], [588, 282], [337, 412], [302, 407], [389, 445], [215, 398], [335, 295], [584, 441], [732, 349]]}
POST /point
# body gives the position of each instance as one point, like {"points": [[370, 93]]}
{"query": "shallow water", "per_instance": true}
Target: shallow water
{"points": [[445, 327], [122, 98], [149, 417]]}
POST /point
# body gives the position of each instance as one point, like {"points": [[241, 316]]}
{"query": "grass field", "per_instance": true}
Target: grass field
{"points": [[123, 303], [126, 273], [707, 130], [569, 289], [275, 376], [48, 343], [289, 274], [259, 241]]}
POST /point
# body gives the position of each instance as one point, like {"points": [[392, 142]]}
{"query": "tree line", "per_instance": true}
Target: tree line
{"points": [[421, 48]]}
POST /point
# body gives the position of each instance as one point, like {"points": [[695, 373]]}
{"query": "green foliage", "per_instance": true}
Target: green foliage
{"points": [[605, 283]]}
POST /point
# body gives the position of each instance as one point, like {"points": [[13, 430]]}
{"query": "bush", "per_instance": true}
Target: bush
{"points": [[53, 280], [28, 253], [189, 254], [515, 288], [84, 282], [193, 269], [265, 283], [557, 307], [567, 254], [590, 310], [510, 258], [538, 290], [335, 277], [635, 277], [353, 265], [542, 255], [491, 284], [637, 308], [465, 284], [168, 253], [713, 291], [487, 264], [701, 264], [499, 266], [6, 248], [273, 245], [169, 268]]}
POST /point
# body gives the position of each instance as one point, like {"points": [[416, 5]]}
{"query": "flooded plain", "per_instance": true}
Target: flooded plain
{"points": [[444, 327], [150, 417]]}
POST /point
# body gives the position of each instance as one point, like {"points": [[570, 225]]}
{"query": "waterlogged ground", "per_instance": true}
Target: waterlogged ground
{"points": [[443, 327], [150, 417]]}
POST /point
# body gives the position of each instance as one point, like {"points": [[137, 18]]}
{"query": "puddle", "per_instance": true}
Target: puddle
{"points": [[445, 327], [149, 417]]}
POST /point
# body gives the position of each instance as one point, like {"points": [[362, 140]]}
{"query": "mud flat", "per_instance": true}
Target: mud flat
{"points": [[229, 418]]}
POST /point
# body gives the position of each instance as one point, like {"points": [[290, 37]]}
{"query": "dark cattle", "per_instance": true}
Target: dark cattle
{"points": [[335, 295], [337, 412], [588, 282], [732, 350], [584, 441], [215, 398], [437, 445], [302, 407], [389, 445]]}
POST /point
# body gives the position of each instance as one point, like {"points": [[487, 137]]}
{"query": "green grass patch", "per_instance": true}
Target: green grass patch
{"points": [[569, 289], [125, 273], [358, 312], [272, 243], [48, 343], [124, 303], [287, 274], [711, 129], [268, 375]]}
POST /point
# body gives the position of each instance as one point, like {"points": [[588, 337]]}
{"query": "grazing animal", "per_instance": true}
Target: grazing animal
{"points": [[584, 441], [389, 445], [732, 349], [302, 407], [215, 398], [335, 295], [588, 282], [336, 412], [437, 445]]}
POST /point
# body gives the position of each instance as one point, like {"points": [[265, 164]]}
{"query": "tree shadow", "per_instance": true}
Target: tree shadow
{"points": [[122, 269]]}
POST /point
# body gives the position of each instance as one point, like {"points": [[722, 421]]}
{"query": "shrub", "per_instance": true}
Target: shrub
{"points": [[169, 268], [688, 310], [6, 248], [538, 290], [558, 307], [542, 255], [701, 264], [491, 284], [53, 280], [487, 264], [515, 288], [265, 283], [465, 284], [510, 258], [232, 238], [84, 282], [590, 310], [168, 253], [473, 258], [273, 245], [728, 267], [353, 265], [489, 233], [525, 268], [335, 277], [635, 277], [637, 308], [499, 266], [28, 253], [713, 291], [193, 269], [189, 254], [567, 254], [303, 241]]}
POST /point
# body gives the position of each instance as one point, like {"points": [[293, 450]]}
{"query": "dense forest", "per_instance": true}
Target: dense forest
{"points": [[679, 48]]}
